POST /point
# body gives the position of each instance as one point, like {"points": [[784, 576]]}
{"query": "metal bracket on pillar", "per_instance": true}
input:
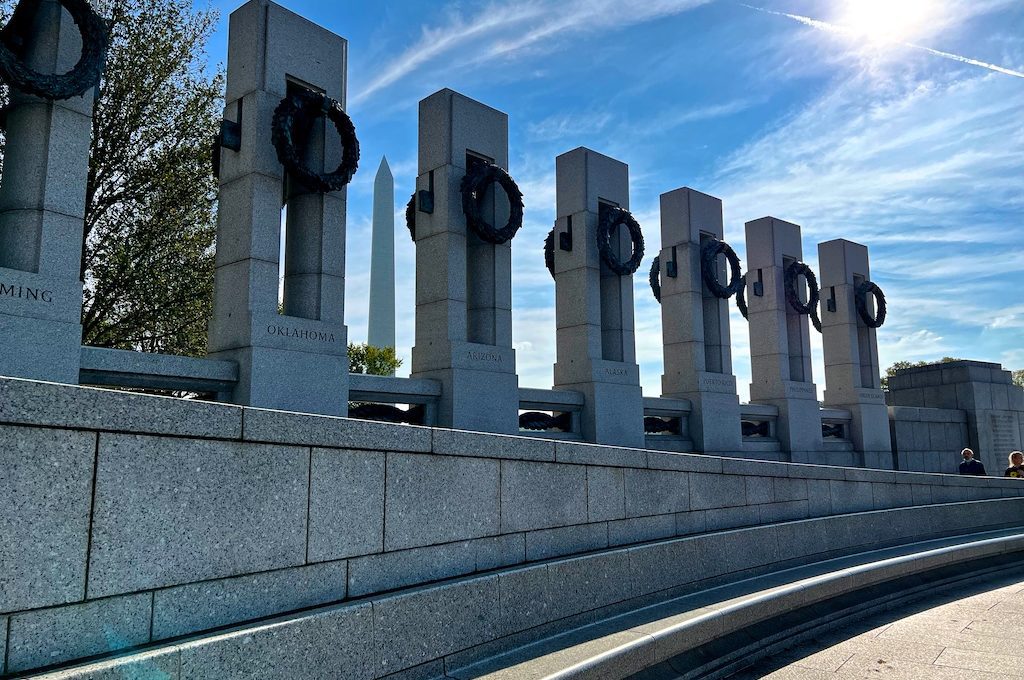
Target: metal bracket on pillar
{"points": [[426, 196], [425, 202], [672, 266], [230, 135], [830, 304], [759, 284], [565, 237]]}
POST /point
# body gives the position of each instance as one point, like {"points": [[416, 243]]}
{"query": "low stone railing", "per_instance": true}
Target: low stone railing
{"points": [[552, 414], [104, 367]]}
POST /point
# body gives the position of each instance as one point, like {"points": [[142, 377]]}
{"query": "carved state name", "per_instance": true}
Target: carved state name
{"points": [[300, 333], [484, 356], [26, 293]]}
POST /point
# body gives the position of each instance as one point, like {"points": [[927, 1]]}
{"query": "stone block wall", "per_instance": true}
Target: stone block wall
{"points": [[138, 519], [992, 405], [928, 439]]}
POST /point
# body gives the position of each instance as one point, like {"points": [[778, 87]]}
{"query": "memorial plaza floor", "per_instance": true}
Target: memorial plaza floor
{"points": [[973, 631]]}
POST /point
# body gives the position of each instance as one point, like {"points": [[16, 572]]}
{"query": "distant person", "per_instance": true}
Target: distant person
{"points": [[1016, 468], [971, 466]]}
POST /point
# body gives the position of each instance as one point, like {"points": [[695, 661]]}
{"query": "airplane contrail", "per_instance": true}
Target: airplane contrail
{"points": [[835, 28]]}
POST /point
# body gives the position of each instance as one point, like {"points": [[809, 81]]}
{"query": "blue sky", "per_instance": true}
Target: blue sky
{"points": [[898, 124]]}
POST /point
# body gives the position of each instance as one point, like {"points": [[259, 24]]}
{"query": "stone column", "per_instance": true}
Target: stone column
{"points": [[295, 360], [695, 323], [780, 347], [596, 348], [463, 284], [42, 210], [852, 375]]}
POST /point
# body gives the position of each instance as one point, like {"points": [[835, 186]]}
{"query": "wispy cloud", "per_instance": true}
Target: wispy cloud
{"points": [[890, 168], [561, 125], [919, 160], [673, 119], [483, 37], [836, 28], [435, 42]]}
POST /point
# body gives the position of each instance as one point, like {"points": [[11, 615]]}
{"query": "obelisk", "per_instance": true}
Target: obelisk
{"points": [[381, 323]]}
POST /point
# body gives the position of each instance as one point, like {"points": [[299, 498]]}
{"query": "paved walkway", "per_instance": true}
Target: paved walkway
{"points": [[972, 632]]}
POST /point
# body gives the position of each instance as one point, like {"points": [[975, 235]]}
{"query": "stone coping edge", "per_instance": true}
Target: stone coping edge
{"points": [[30, 403], [707, 621], [714, 604]]}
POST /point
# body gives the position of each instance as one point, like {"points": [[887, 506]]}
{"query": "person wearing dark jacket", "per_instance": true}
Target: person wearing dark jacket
{"points": [[971, 466]]}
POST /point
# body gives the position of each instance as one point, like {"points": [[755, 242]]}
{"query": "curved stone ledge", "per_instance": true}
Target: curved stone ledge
{"points": [[677, 639], [456, 624]]}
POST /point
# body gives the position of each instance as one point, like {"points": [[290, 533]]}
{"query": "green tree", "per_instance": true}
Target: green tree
{"points": [[1018, 378], [147, 263], [891, 371], [366, 358]]}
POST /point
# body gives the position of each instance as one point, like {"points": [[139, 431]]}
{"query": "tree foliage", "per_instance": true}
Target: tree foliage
{"points": [[150, 219], [891, 371], [1018, 376], [366, 358], [147, 261]]}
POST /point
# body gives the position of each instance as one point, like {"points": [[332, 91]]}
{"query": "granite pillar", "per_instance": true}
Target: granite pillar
{"points": [[852, 375], [42, 211], [293, 358], [780, 347], [463, 283], [596, 348], [695, 323]]}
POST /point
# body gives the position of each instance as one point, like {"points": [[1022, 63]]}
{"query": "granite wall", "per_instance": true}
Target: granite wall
{"points": [[134, 519], [990, 420]]}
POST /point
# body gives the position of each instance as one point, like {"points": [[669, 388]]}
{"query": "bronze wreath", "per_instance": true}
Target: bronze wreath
{"points": [[549, 252], [410, 216], [861, 299], [709, 270], [474, 185], [741, 298], [295, 115], [540, 422], [654, 278], [386, 413], [84, 75], [610, 219], [656, 425], [793, 272]]}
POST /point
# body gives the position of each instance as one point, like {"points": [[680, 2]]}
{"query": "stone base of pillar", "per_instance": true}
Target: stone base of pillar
{"points": [[479, 386], [614, 409], [292, 364], [40, 349], [869, 427], [40, 323], [798, 428], [714, 423]]}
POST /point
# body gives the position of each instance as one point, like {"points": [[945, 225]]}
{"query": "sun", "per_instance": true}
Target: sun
{"points": [[887, 21]]}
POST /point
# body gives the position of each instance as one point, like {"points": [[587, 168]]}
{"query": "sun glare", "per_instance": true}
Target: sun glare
{"points": [[887, 20]]}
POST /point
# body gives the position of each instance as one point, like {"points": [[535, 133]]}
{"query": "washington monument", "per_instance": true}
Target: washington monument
{"points": [[381, 323]]}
